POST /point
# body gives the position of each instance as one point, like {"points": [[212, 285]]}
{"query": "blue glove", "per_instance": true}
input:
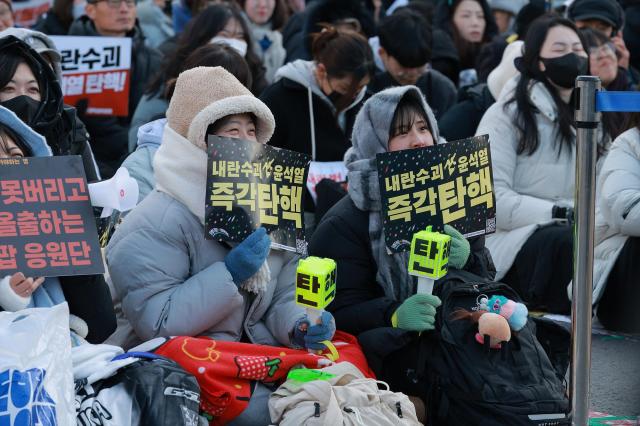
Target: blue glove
{"points": [[310, 336], [244, 260]]}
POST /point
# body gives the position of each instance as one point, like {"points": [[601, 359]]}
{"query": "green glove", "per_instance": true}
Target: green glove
{"points": [[417, 313], [460, 248]]}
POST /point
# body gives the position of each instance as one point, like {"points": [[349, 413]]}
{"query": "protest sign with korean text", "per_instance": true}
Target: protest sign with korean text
{"points": [[97, 69], [449, 183], [47, 227], [251, 185]]}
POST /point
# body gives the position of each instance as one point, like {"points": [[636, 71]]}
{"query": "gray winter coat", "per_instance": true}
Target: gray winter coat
{"points": [[174, 282]]}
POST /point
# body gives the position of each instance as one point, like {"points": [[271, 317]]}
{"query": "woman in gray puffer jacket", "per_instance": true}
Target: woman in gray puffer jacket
{"points": [[173, 281]]}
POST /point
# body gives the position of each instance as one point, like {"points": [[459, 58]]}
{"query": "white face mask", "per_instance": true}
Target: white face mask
{"points": [[239, 46], [78, 10]]}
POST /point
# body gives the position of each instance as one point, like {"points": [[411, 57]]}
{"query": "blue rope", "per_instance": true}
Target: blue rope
{"points": [[617, 101]]}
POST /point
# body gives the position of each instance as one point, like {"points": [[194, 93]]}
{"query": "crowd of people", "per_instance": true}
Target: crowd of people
{"points": [[339, 80]]}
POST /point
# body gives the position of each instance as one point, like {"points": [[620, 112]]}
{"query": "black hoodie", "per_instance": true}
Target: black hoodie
{"points": [[58, 123], [110, 135]]}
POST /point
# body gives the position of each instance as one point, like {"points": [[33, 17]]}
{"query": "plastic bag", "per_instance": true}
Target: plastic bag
{"points": [[36, 379]]}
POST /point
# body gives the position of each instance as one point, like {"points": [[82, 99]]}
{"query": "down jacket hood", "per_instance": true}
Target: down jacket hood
{"points": [[371, 129]]}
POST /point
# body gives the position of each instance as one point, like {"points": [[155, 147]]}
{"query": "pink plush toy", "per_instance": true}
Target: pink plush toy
{"points": [[515, 313], [490, 325]]}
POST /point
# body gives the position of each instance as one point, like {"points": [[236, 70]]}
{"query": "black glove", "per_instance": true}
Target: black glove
{"points": [[563, 214]]}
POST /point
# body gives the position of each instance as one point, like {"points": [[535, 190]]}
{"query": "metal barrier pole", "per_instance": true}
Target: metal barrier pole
{"points": [[586, 141]]}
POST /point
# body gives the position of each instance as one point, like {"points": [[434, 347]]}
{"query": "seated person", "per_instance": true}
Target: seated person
{"points": [[89, 299], [172, 280], [374, 290], [615, 269], [405, 50]]}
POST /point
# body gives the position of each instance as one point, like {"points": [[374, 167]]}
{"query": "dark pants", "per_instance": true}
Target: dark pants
{"points": [[618, 308], [543, 268], [399, 370]]}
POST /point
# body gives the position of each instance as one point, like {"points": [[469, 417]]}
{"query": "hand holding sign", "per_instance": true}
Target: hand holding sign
{"points": [[429, 258]]}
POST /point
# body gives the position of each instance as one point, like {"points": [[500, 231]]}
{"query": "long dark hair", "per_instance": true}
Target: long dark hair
{"points": [[467, 50], [200, 30], [526, 121]]}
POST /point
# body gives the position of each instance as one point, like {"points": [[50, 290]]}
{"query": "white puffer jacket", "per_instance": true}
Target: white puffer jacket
{"points": [[618, 214], [526, 186]]}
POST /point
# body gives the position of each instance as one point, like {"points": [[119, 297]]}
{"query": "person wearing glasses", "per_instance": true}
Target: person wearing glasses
{"points": [[603, 62], [116, 18]]}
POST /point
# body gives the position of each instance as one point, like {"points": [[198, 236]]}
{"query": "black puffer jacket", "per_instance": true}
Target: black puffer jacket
{"points": [[58, 123], [360, 304], [109, 135], [461, 121]]}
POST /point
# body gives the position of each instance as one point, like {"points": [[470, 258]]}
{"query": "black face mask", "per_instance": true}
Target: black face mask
{"points": [[24, 107], [563, 70]]}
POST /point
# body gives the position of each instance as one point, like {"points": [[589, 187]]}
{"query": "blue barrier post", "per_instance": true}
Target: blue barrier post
{"points": [[587, 119]]}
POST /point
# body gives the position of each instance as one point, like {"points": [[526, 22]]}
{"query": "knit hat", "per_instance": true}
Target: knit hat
{"points": [[505, 70], [39, 42], [203, 95], [608, 11]]}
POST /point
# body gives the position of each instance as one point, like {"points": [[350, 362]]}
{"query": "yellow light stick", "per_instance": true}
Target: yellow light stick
{"points": [[429, 258], [315, 285]]}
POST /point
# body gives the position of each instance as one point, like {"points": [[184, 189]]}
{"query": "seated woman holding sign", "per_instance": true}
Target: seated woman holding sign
{"points": [[88, 296], [172, 280], [374, 289]]}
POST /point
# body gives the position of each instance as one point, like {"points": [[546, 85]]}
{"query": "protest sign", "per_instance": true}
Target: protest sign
{"points": [[26, 13], [251, 185], [47, 226], [318, 170], [444, 184], [97, 69]]}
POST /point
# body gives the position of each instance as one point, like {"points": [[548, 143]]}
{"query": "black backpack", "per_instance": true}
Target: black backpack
{"points": [[153, 391], [471, 384]]}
